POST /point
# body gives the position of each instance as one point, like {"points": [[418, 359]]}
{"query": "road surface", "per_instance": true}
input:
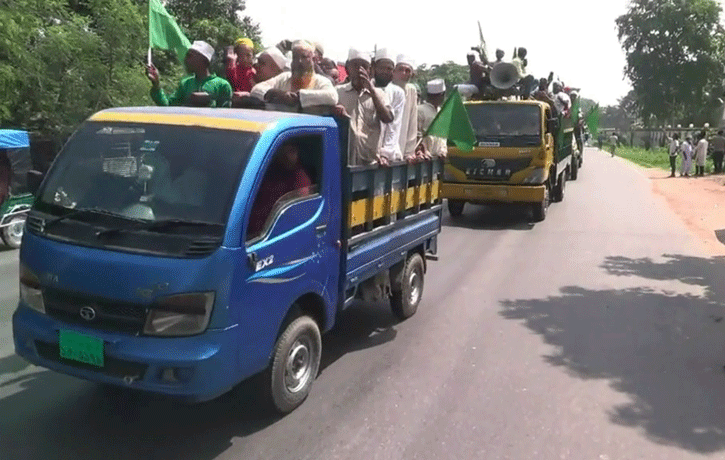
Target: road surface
{"points": [[596, 334]]}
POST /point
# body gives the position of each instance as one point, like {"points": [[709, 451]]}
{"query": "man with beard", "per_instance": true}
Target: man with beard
{"points": [[301, 89], [402, 76], [366, 106], [270, 63], [436, 93], [390, 132]]}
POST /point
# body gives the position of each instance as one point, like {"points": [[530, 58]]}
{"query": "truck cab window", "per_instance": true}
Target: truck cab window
{"points": [[294, 173]]}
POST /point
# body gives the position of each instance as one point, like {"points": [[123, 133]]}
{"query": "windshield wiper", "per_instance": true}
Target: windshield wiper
{"points": [[160, 226], [82, 211]]}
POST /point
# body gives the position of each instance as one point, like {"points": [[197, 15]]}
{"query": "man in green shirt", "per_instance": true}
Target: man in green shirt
{"points": [[201, 89]]}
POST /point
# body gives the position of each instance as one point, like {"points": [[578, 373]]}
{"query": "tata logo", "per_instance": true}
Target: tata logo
{"points": [[87, 313], [488, 163]]}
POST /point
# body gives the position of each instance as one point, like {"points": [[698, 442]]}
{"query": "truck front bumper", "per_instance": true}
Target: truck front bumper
{"points": [[493, 193], [194, 369]]}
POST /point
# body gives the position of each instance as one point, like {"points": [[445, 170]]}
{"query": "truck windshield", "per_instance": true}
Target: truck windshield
{"points": [[493, 121], [147, 173]]}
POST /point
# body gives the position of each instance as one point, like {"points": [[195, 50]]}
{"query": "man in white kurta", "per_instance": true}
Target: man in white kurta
{"points": [[701, 154], [427, 111], [366, 106], [389, 132], [299, 89], [402, 75]]}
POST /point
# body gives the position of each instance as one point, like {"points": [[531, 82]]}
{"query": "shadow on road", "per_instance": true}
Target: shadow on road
{"points": [[52, 416], [664, 349], [494, 217], [12, 364]]}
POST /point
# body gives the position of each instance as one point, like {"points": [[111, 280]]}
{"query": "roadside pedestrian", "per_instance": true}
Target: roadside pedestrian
{"points": [[718, 151], [701, 153], [674, 148], [686, 149], [614, 140]]}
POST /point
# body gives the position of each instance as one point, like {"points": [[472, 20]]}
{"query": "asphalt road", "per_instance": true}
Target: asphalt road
{"points": [[596, 334]]}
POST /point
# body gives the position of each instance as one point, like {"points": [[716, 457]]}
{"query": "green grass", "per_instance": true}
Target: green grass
{"points": [[655, 158]]}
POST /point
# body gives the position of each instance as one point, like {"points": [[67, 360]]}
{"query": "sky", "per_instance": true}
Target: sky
{"points": [[577, 39]]}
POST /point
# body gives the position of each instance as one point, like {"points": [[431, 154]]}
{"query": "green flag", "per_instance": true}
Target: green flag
{"points": [[452, 123], [164, 32], [592, 120]]}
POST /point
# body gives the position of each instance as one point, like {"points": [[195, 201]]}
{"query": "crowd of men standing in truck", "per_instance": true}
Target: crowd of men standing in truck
{"points": [[376, 93]]}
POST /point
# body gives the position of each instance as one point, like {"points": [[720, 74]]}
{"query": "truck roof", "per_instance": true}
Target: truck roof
{"points": [[228, 119], [525, 102]]}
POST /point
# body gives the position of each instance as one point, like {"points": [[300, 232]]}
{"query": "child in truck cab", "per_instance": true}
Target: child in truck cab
{"points": [[283, 176]]}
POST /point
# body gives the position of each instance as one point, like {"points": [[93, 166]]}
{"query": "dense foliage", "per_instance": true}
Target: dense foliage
{"points": [[61, 60]]}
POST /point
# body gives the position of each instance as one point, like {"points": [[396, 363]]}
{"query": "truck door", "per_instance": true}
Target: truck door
{"points": [[291, 231]]}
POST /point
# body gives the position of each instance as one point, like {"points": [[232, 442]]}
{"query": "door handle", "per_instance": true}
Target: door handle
{"points": [[321, 228]]}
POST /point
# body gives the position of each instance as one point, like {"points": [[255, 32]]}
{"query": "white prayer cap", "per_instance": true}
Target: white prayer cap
{"points": [[405, 60], [436, 86], [276, 56], [357, 54], [383, 53], [203, 48]]}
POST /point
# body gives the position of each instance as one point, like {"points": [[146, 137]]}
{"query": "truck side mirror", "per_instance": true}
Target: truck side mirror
{"points": [[35, 178], [552, 125]]}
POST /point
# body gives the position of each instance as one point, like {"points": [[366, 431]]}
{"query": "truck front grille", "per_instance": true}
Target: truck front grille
{"points": [[109, 316]]}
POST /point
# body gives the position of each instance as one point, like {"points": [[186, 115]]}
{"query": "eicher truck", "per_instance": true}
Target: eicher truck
{"points": [[181, 251], [523, 156]]}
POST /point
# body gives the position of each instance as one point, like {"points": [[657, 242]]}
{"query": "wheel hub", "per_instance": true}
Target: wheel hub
{"points": [[299, 366], [415, 287]]}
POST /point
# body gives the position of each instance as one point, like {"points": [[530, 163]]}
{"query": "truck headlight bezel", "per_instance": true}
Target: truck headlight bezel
{"points": [[179, 315], [31, 292]]}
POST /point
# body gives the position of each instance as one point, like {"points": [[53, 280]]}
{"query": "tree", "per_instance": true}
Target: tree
{"points": [[674, 56], [451, 72]]}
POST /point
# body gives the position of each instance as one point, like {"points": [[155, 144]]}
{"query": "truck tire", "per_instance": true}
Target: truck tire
{"points": [[405, 297], [574, 169], [558, 195], [295, 363], [539, 209], [455, 207], [12, 235]]}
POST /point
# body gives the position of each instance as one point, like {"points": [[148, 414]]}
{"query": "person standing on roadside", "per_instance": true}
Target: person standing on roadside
{"points": [[674, 148], [718, 150], [614, 140], [686, 149], [701, 153]]}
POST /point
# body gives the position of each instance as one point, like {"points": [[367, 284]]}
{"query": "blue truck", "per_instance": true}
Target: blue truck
{"points": [[139, 266]]}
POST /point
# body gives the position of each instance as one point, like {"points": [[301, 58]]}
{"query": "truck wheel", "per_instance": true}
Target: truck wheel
{"points": [[295, 363], [574, 169], [559, 189], [12, 235], [455, 207], [405, 297], [539, 209]]}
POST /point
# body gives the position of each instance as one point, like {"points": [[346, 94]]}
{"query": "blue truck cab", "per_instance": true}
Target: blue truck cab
{"points": [[139, 266]]}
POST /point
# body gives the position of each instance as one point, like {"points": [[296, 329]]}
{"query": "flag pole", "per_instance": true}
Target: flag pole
{"points": [[148, 58]]}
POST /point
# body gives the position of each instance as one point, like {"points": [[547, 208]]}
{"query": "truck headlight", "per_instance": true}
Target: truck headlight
{"points": [[536, 176], [30, 291], [180, 315]]}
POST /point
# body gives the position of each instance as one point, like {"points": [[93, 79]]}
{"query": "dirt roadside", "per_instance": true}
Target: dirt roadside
{"points": [[698, 201]]}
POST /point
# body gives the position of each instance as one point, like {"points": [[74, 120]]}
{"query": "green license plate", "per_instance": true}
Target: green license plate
{"points": [[81, 348]]}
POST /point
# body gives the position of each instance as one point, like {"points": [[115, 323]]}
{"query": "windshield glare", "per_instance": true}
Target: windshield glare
{"points": [[495, 120], [148, 171]]}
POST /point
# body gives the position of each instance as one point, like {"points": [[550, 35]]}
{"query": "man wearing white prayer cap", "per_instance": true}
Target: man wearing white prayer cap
{"points": [[402, 76], [366, 106], [202, 89], [301, 88], [390, 132], [270, 63], [427, 111]]}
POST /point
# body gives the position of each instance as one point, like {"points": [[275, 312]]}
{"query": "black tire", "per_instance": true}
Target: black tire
{"points": [[574, 169], [455, 207], [405, 297], [12, 235], [539, 209], [295, 363], [558, 195]]}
